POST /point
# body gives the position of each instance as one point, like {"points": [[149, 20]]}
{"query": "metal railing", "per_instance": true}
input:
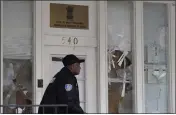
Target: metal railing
{"points": [[30, 109]]}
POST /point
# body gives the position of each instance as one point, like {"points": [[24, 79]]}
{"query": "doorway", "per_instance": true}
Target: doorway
{"points": [[57, 65], [87, 78]]}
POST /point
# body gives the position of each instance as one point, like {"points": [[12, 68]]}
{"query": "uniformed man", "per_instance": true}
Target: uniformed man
{"points": [[63, 89]]}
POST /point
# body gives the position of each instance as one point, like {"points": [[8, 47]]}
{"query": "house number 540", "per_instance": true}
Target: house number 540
{"points": [[70, 40]]}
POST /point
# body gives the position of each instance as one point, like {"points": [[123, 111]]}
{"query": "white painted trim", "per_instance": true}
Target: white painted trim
{"points": [[16, 57], [160, 1], [102, 54], [33, 54], [37, 43], [138, 59], [1, 101], [60, 40], [171, 58]]}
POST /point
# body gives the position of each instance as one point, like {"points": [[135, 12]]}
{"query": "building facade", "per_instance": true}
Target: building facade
{"points": [[128, 48]]}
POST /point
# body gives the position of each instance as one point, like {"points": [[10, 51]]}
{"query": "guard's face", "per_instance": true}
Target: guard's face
{"points": [[76, 68]]}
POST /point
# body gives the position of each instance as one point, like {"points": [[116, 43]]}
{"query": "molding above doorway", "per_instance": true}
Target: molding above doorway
{"points": [[70, 41]]}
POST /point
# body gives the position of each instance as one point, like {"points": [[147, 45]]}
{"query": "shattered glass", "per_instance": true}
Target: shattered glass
{"points": [[17, 88], [119, 57], [17, 55]]}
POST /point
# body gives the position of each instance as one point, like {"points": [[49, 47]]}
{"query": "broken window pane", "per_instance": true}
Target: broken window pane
{"points": [[17, 83], [17, 55], [119, 57]]}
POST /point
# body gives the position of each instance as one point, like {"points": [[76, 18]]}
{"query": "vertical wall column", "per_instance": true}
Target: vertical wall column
{"points": [[37, 51], [102, 46], [1, 66], [171, 57], [138, 58]]}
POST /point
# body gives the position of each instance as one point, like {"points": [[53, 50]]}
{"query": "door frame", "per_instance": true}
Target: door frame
{"points": [[138, 57], [42, 39], [91, 77], [37, 52]]}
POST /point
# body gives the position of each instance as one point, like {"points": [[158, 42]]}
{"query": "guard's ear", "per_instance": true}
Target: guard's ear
{"points": [[71, 67]]}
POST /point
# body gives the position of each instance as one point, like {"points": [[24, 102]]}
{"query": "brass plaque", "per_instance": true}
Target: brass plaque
{"points": [[69, 16]]}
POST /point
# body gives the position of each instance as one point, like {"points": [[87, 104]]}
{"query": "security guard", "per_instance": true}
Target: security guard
{"points": [[63, 89]]}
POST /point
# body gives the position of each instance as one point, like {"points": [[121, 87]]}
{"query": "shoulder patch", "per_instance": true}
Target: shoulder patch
{"points": [[68, 87]]}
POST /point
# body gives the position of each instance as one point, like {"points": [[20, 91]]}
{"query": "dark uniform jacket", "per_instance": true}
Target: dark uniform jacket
{"points": [[63, 89]]}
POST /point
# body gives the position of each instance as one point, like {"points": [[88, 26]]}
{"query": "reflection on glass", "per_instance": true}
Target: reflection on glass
{"points": [[119, 57], [17, 62], [17, 82], [155, 40]]}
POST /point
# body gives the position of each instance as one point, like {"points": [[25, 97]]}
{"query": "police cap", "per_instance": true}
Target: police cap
{"points": [[71, 59]]}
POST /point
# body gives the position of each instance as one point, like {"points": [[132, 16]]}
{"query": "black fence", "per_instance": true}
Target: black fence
{"points": [[32, 109]]}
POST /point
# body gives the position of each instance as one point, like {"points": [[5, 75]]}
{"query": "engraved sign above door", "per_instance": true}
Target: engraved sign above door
{"points": [[69, 16]]}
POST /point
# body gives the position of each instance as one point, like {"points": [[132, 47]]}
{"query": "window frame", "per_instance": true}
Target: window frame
{"points": [[137, 57], [35, 56]]}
